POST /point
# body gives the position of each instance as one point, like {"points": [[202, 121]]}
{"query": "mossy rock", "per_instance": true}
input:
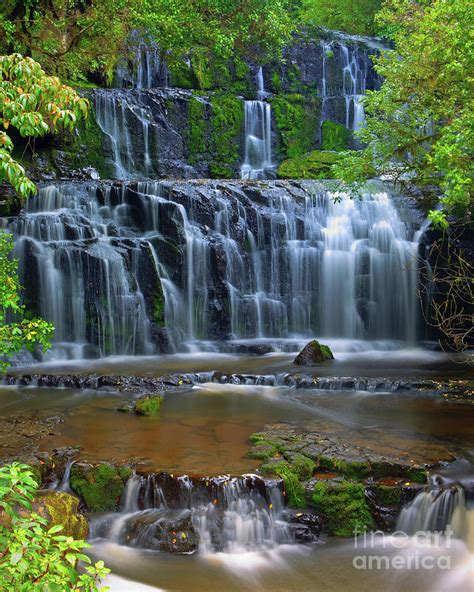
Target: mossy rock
{"points": [[62, 509], [296, 119], [313, 353], [99, 486], [344, 507], [262, 451], [149, 405], [385, 468], [313, 165], [335, 136], [349, 468], [389, 495], [294, 489]]}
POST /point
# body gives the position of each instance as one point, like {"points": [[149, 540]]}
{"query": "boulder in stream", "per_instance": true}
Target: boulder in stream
{"points": [[313, 353]]}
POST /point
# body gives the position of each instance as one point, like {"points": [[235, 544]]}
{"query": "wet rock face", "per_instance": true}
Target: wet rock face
{"points": [[313, 353], [162, 533]]}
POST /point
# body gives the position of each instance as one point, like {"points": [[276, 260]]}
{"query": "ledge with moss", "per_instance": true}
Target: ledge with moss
{"points": [[348, 486], [313, 165]]}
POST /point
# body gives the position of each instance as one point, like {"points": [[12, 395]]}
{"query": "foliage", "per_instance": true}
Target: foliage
{"points": [[335, 136], [33, 556], [314, 165], [69, 37], [251, 28], [447, 290], [296, 122], [420, 124], [18, 333], [351, 16], [34, 104]]}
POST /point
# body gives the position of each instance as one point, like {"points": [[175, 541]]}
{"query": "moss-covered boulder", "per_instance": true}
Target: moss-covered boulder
{"points": [[294, 488], [62, 509], [313, 353], [334, 136], [343, 505], [100, 486], [313, 165], [148, 405]]}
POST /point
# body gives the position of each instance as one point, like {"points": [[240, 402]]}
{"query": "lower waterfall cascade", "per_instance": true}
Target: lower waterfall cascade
{"points": [[244, 263]]}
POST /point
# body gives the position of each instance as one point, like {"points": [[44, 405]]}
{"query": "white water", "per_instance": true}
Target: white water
{"points": [[258, 135]]}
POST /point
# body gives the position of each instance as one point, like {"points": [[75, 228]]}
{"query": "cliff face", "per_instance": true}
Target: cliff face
{"points": [[188, 120]]}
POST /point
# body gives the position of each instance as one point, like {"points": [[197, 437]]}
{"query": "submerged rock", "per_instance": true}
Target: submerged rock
{"points": [[148, 405], [313, 353]]}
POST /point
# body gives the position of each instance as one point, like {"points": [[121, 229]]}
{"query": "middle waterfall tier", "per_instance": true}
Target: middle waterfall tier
{"points": [[258, 136], [138, 267]]}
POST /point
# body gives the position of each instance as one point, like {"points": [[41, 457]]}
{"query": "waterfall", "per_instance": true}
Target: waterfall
{"points": [[115, 112], [346, 75], [258, 135], [83, 277], [446, 506], [207, 514], [293, 260]]}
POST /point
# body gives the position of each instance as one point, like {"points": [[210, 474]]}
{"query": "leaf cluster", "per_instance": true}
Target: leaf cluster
{"points": [[33, 556]]}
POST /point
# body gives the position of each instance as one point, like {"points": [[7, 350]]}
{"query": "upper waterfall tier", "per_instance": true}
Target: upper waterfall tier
{"points": [[164, 123], [132, 268]]}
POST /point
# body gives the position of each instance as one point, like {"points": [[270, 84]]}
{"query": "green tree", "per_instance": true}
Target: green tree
{"points": [[419, 126], [251, 28], [352, 16], [17, 333], [34, 104], [71, 38], [33, 556]]}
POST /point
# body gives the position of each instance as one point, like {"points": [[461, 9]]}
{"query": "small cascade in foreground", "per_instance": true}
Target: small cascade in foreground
{"points": [[446, 506], [207, 514], [258, 135]]}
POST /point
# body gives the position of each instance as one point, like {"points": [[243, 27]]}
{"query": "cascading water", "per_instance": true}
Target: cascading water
{"points": [[114, 111], [226, 514], [258, 135], [295, 262], [446, 506]]}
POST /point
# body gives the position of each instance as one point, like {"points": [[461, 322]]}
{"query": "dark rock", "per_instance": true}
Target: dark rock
{"points": [[307, 525], [169, 533], [313, 353]]}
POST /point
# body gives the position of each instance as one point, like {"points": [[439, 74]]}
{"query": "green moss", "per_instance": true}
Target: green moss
{"points": [[302, 466], [389, 495], [149, 405], [227, 121], [296, 121], [276, 82], [354, 470], [99, 486], [262, 451], [197, 130], [343, 506], [381, 469], [159, 306], [334, 136], [294, 489], [220, 171], [62, 509], [181, 75], [314, 165]]}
